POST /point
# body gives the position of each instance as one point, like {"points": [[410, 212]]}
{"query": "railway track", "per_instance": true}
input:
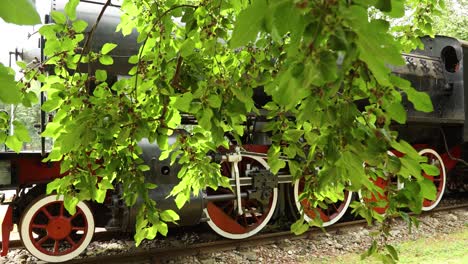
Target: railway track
{"points": [[161, 254], [157, 255]]}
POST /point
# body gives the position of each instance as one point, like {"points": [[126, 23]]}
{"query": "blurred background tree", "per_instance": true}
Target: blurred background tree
{"points": [[454, 20]]}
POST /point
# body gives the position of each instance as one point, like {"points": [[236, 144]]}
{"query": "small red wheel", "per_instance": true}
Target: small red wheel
{"points": [[433, 158], [332, 214], [51, 234], [224, 217]]}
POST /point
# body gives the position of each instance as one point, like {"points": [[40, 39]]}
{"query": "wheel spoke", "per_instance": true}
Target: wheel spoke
{"points": [[76, 214], [39, 226], [56, 246], [78, 228], [255, 217], [225, 218], [61, 209], [42, 240], [70, 240], [47, 214], [334, 207]]}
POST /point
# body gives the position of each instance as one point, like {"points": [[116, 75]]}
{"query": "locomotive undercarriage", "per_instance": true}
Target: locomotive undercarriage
{"points": [[235, 213]]}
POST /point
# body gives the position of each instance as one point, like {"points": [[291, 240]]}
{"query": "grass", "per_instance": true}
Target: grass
{"points": [[442, 248]]}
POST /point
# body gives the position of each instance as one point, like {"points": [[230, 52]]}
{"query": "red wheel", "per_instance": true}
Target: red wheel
{"points": [[224, 217], [332, 214], [382, 184], [439, 181], [51, 234]]}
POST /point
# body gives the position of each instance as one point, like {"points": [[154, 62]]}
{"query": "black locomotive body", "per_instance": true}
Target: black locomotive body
{"points": [[440, 135]]}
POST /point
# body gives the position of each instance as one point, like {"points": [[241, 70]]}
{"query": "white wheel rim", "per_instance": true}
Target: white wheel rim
{"points": [[27, 220], [443, 179], [257, 229], [332, 221]]}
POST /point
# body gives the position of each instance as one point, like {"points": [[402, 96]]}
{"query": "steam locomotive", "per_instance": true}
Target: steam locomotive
{"points": [[51, 234]]}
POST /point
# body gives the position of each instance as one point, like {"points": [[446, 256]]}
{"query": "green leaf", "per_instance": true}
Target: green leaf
{"points": [[169, 216], [403, 147], [101, 75], [9, 92], [21, 132], [30, 99], [397, 112], [52, 104], [143, 167], [299, 227], [428, 189], [187, 48], [285, 17], [70, 203], [384, 5], [70, 8], [21, 64], [106, 48], [397, 8], [214, 101], [430, 169], [150, 186], [21, 12], [100, 195], [276, 165], [106, 60], [421, 100], [206, 117], [133, 59], [392, 251], [180, 200], [14, 143], [182, 102], [163, 141], [140, 234], [79, 26], [162, 228], [53, 185], [248, 23], [58, 17]]}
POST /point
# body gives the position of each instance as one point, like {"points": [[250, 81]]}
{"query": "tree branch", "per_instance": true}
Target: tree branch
{"points": [[147, 37]]}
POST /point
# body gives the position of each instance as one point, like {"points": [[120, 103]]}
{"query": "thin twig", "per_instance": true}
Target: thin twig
{"points": [[176, 79], [86, 46]]}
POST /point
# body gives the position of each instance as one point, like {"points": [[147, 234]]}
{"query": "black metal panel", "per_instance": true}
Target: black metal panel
{"points": [[432, 70], [465, 85]]}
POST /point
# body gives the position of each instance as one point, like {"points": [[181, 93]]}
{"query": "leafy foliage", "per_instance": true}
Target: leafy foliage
{"points": [[324, 64], [453, 20], [20, 12]]}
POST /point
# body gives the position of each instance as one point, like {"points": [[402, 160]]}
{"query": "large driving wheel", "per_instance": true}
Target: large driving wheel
{"points": [[330, 215], [224, 216], [51, 234], [433, 158]]}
